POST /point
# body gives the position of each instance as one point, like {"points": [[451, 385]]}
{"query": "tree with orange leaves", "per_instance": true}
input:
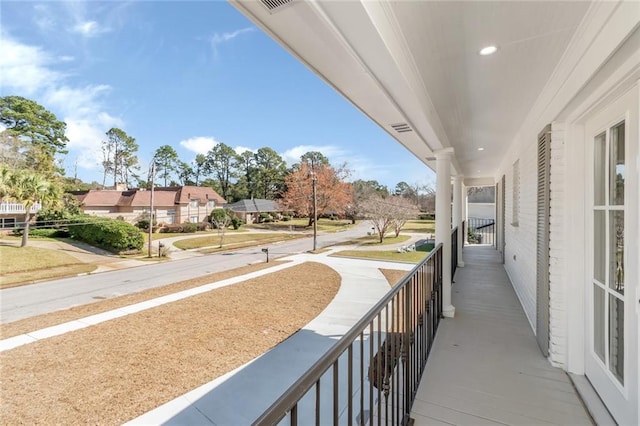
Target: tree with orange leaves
{"points": [[333, 194]]}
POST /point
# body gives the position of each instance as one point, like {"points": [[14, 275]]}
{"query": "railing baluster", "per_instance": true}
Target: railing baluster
{"points": [[361, 414], [318, 403], [294, 415], [371, 378], [350, 385], [398, 351]]}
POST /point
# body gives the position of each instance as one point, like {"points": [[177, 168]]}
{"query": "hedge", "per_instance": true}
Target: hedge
{"points": [[113, 235], [184, 228]]}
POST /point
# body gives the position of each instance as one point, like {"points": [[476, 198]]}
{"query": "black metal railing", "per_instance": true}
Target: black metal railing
{"points": [[371, 375], [481, 231], [454, 251]]}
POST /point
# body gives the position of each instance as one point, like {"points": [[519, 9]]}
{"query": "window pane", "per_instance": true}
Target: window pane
{"points": [[599, 245], [616, 168], [616, 251], [598, 321], [599, 162], [616, 337]]}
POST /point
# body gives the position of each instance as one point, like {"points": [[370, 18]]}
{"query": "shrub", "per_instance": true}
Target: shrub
{"points": [[204, 226], [50, 233], [189, 227], [426, 216], [265, 218], [236, 222], [180, 228], [114, 235]]}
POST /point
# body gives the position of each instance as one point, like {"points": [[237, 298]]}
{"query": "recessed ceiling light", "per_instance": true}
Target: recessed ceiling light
{"points": [[480, 149], [489, 50]]}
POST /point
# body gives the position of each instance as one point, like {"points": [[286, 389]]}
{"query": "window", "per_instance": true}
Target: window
{"points": [[515, 207], [193, 219], [609, 248], [8, 223], [211, 204], [194, 203]]}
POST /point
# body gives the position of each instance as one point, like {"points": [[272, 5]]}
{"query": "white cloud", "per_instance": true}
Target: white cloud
{"points": [[218, 39], [28, 71], [199, 144], [66, 58], [77, 101], [89, 28], [335, 154], [242, 149], [25, 68], [224, 37]]}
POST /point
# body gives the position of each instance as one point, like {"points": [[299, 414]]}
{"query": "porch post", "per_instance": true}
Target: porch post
{"points": [[457, 215], [443, 223], [465, 211]]}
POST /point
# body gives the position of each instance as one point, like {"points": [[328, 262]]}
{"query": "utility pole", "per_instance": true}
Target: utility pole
{"points": [[152, 172], [315, 210]]}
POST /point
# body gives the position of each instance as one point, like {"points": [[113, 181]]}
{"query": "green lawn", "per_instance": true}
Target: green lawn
{"points": [[426, 226], [233, 240], [28, 264], [300, 224], [412, 256]]}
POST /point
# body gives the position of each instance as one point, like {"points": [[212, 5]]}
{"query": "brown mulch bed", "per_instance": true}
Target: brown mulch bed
{"points": [[115, 371], [54, 318], [393, 275]]}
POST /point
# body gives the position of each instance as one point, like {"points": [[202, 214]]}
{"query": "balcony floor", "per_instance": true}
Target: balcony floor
{"points": [[485, 366]]}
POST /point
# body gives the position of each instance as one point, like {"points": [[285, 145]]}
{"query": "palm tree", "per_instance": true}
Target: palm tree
{"points": [[5, 177], [28, 188]]}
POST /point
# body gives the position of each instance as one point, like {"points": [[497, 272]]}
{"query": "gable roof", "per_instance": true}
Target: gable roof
{"points": [[201, 193], [255, 205], [162, 196], [99, 198]]}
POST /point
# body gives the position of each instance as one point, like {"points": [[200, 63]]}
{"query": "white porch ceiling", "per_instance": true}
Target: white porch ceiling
{"points": [[417, 62]]}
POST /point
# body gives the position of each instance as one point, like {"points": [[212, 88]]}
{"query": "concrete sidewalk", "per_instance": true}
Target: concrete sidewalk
{"points": [[240, 396]]}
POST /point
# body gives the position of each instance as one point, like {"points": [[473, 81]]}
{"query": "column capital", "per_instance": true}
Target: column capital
{"points": [[443, 153]]}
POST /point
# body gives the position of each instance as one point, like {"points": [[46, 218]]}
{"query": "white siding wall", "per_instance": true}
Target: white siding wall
{"points": [[482, 210], [520, 249]]}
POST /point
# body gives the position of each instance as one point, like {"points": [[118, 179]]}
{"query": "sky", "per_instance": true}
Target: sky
{"points": [[185, 74]]}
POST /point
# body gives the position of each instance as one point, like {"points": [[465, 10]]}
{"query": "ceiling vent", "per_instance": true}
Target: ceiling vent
{"points": [[274, 6], [401, 127]]}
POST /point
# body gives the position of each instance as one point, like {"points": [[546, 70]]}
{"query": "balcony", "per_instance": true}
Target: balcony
{"points": [[15, 208], [483, 367]]}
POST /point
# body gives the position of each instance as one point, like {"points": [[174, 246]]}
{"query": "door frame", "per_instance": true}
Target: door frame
{"points": [[620, 399]]}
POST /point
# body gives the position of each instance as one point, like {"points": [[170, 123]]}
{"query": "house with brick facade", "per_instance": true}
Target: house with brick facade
{"points": [[170, 204], [537, 99]]}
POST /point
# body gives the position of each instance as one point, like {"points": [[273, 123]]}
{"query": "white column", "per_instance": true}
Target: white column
{"points": [[465, 211], [457, 215], [443, 223]]}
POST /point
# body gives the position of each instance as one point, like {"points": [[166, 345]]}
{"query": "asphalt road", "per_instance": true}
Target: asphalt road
{"points": [[35, 299]]}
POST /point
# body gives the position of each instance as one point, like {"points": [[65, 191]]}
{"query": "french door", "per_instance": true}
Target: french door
{"points": [[611, 358]]}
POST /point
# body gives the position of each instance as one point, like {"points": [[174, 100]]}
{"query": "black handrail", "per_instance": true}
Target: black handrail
{"points": [[454, 251], [393, 341], [481, 231]]}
